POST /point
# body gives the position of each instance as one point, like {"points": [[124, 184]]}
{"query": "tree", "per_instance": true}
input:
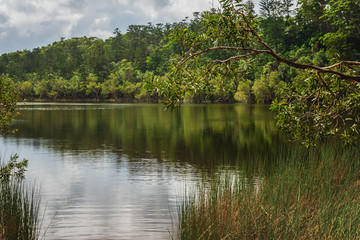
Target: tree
{"points": [[243, 93], [111, 86], [325, 101], [270, 8], [343, 41], [93, 85], [8, 100]]}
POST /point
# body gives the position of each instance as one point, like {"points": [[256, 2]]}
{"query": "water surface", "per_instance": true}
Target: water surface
{"points": [[117, 171]]}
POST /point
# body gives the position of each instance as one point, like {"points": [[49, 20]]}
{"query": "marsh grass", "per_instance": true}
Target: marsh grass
{"points": [[19, 205], [310, 194]]}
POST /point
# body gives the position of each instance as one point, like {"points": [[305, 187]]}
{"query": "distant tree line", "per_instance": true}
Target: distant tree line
{"points": [[116, 69]]}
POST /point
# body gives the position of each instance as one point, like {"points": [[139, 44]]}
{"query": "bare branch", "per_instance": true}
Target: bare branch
{"points": [[348, 63], [237, 57]]}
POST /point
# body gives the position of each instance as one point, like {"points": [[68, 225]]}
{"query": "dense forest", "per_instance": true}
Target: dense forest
{"points": [[117, 69]]}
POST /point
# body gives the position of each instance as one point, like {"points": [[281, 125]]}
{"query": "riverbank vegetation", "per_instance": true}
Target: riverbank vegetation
{"points": [[19, 203], [312, 33], [309, 194]]}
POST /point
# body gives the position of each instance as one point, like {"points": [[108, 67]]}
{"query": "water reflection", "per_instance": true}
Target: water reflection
{"points": [[200, 134], [114, 171]]}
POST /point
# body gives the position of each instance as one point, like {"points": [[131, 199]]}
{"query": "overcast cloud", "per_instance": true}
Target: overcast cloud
{"points": [[26, 24]]}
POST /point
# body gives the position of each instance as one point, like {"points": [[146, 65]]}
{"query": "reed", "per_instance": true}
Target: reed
{"points": [[309, 194], [19, 209]]}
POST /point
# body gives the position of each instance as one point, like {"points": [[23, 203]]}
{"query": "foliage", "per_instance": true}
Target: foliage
{"points": [[310, 108], [8, 100], [243, 93], [13, 169], [18, 204], [315, 106]]}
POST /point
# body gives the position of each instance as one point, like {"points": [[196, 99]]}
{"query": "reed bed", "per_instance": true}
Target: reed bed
{"points": [[309, 194], [19, 209]]}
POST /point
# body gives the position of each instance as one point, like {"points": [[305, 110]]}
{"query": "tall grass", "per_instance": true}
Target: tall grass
{"points": [[310, 194], [19, 210]]}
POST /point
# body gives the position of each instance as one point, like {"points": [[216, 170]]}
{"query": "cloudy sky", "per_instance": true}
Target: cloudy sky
{"points": [[26, 24]]}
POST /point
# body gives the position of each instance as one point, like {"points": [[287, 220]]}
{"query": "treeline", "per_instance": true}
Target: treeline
{"points": [[92, 68], [315, 32]]}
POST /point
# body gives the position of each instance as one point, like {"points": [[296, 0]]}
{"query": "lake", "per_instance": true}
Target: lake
{"points": [[118, 171]]}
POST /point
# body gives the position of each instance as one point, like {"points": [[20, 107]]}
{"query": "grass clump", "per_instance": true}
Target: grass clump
{"points": [[310, 194], [19, 203]]}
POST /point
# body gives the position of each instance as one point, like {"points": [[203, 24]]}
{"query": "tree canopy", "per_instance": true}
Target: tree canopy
{"points": [[322, 99]]}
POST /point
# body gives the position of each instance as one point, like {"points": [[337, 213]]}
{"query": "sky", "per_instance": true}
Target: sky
{"points": [[27, 24]]}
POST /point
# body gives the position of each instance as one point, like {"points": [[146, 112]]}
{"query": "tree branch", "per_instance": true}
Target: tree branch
{"points": [[344, 76], [254, 52], [327, 70], [348, 63], [237, 57], [268, 50]]}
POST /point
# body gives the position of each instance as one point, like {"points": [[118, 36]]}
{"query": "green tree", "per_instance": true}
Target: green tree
{"points": [[265, 88], [326, 100], [76, 87], [27, 90], [42, 88], [243, 93], [343, 41], [93, 85], [111, 86], [8, 100]]}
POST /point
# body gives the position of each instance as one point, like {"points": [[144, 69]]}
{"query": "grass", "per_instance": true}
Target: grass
{"points": [[310, 194], [19, 209]]}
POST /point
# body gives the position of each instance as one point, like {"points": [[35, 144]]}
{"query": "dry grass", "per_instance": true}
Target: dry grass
{"points": [[310, 195]]}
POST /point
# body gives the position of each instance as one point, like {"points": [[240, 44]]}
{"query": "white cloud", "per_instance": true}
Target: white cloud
{"points": [[32, 18], [72, 22], [29, 23], [102, 20], [121, 2], [129, 12], [99, 33]]}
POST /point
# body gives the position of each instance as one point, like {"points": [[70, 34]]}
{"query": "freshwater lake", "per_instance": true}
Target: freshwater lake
{"points": [[118, 171]]}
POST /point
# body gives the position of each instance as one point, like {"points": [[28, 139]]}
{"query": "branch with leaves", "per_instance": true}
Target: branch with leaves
{"points": [[234, 14], [322, 101]]}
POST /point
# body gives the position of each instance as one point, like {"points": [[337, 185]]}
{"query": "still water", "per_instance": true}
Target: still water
{"points": [[118, 171]]}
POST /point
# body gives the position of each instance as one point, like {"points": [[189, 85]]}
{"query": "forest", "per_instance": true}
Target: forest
{"points": [[117, 69]]}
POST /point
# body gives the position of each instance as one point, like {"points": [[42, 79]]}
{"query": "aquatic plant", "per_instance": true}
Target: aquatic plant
{"points": [[19, 203], [311, 194]]}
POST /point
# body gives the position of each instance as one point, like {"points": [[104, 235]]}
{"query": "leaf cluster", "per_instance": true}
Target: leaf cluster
{"points": [[13, 170], [314, 107]]}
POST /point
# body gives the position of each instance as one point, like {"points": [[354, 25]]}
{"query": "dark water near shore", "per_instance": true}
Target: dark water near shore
{"points": [[117, 171]]}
